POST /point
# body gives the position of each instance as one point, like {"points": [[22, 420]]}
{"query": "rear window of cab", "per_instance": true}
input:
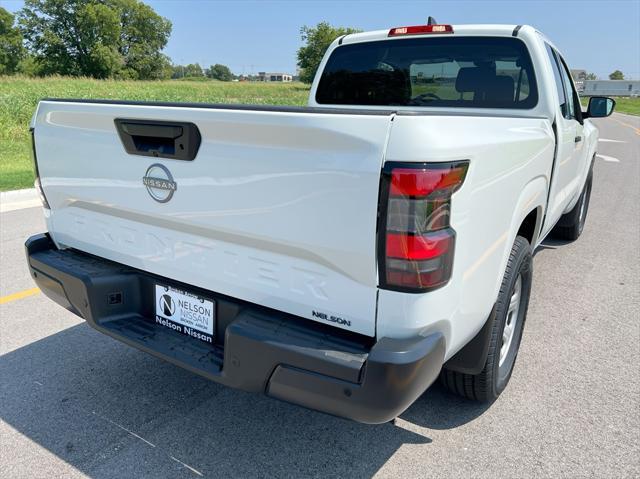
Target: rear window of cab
{"points": [[447, 71]]}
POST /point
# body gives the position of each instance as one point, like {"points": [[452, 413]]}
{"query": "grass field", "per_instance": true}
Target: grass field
{"points": [[19, 97]]}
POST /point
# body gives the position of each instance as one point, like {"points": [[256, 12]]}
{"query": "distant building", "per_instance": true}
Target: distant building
{"points": [[611, 88], [279, 77], [579, 77], [579, 74]]}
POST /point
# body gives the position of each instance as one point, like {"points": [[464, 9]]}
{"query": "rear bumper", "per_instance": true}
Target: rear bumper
{"points": [[258, 349]]}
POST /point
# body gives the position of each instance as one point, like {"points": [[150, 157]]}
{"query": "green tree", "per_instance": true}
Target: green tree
{"points": [[220, 72], [177, 71], [192, 70], [591, 76], [616, 75], [28, 66], [11, 49], [317, 39], [97, 38]]}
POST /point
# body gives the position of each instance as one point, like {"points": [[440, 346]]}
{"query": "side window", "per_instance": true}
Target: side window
{"points": [[557, 76], [571, 94]]}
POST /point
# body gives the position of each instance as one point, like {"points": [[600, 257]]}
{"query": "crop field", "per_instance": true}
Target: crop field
{"points": [[19, 97]]}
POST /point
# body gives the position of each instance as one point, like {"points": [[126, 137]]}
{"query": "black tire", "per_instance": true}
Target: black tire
{"points": [[571, 224], [491, 381]]}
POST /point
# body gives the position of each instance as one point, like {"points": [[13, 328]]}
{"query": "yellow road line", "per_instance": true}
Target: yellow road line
{"points": [[637, 130], [19, 295]]}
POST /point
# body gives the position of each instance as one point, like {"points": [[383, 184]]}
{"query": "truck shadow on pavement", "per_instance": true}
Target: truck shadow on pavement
{"points": [[108, 410]]}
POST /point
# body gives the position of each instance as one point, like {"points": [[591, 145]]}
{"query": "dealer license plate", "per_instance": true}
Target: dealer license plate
{"points": [[185, 312]]}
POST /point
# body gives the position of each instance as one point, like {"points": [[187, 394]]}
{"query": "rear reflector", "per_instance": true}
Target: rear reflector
{"points": [[420, 29], [417, 242], [419, 282]]}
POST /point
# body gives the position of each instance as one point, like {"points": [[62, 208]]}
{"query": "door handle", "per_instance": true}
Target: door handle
{"points": [[577, 139], [163, 139]]}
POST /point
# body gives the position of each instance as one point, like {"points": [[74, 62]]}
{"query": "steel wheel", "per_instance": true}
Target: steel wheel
{"points": [[512, 319]]}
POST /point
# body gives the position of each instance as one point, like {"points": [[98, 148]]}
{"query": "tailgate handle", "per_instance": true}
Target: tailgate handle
{"points": [[161, 139]]}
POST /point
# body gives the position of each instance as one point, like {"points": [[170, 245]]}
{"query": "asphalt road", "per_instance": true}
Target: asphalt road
{"points": [[74, 403]]}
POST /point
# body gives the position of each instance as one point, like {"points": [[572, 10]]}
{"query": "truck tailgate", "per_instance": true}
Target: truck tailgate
{"points": [[278, 207]]}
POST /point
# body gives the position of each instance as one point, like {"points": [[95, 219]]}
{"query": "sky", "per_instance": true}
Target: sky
{"points": [[250, 36]]}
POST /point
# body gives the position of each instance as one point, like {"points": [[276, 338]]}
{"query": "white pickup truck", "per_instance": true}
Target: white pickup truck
{"points": [[339, 256]]}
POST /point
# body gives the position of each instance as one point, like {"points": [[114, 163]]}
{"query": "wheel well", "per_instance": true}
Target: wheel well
{"points": [[528, 226], [472, 357]]}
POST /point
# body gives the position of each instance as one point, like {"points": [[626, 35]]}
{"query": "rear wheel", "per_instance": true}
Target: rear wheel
{"points": [[571, 224], [506, 332]]}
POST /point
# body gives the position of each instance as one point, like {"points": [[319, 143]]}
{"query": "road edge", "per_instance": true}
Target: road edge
{"points": [[18, 200]]}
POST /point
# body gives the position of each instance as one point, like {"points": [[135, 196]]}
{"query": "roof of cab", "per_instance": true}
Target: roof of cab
{"points": [[458, 30]]}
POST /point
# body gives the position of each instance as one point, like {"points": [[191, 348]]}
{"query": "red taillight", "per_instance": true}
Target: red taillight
{"points": [[412, 182], [418, 242], [417, 247], [420, 29]]}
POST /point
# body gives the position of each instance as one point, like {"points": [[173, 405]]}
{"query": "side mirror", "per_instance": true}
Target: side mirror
{"points": [[599, 107]]}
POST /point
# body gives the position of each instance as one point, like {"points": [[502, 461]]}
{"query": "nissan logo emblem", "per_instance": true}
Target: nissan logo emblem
{"points": [[159, 182]]}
